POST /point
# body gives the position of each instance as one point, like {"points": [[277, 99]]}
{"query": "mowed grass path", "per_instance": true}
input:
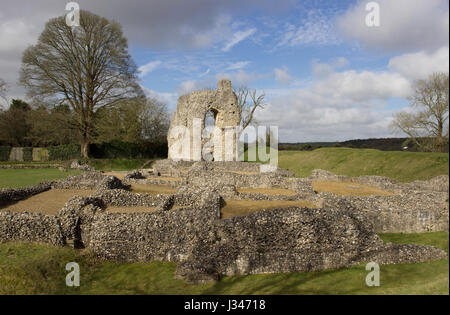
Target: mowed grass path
{"points": [[40, 269], [13, 178], [402, 166]]}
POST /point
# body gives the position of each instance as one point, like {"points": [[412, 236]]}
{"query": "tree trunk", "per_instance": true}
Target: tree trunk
{"points": [[85, 148]]}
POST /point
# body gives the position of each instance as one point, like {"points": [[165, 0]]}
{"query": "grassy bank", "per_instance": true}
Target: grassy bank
{"points": [[31, 268], [402, 166], [13, 178]]}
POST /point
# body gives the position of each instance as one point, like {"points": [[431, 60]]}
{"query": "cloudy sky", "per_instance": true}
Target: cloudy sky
{"points": [[327, 76]]}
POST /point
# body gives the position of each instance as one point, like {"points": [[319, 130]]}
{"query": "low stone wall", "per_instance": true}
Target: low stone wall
{"points": [[30, 227], [438, 183], [89, 180], [291, 240], [163, 235], [15, 194], [29, 166], [410, 212]]}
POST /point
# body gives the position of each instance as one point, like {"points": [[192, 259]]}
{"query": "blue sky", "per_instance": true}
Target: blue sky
{"points": [[327, 76]]}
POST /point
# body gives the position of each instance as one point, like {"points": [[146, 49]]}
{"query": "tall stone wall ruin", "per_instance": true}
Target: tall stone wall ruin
{"points": [[188, 123]]}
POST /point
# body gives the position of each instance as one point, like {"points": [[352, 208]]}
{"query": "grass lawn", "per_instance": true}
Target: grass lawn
{"points": [[40, 269], [13, 178], [402, 166]]}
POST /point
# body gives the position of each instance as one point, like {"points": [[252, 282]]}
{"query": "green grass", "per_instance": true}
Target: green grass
{"points": [[402, 166], [40, 269], [13, 178]]}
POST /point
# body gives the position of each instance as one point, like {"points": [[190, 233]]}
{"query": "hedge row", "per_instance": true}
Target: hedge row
{"points": [[112, 150], [27, 154], [64, 152], [4, 153], [126, 150]]}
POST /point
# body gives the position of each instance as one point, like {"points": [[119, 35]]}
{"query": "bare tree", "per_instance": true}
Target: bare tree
{"points": [[426, 123], [3, 90], [86, 66], [248, 102]]}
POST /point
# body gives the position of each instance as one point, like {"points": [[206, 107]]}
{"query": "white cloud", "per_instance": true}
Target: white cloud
{"points": [[238, 65], [15, 35], [241, 77], [340, 62], [148, 67], [170, 99], [282, 76], [354, 87], [316, 28], [405, 25], [192, 85], [237, 38], [420, 65], [322, 70], [341, 106], [205, 73]]}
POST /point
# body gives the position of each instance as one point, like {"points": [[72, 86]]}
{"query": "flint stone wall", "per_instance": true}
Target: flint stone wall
{"points": [[223, 102], [9, 195], [30, 227], [290, 240], [411, 212]]}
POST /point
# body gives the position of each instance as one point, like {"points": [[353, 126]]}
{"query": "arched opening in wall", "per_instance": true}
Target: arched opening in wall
{"points": [[207, 135]]}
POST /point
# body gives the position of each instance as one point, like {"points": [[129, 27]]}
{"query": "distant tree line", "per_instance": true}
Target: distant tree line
{"points": [[382, 144], [130, 121]]}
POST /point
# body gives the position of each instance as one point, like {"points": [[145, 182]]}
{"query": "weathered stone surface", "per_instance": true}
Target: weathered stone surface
{"points": [[89, 180], [15, 194], [76, 217], [223, 103], [75, 165], [30, 227], [289, 240], [407, 212]]}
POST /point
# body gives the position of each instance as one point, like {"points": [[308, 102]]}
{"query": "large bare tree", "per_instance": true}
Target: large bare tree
{"points": [[86, 67], [426, 123], [248, 101]]}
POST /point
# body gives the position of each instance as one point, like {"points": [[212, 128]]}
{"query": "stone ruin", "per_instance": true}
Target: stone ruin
{"points": [[188, 226], [317, 229], [188, 123]]}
